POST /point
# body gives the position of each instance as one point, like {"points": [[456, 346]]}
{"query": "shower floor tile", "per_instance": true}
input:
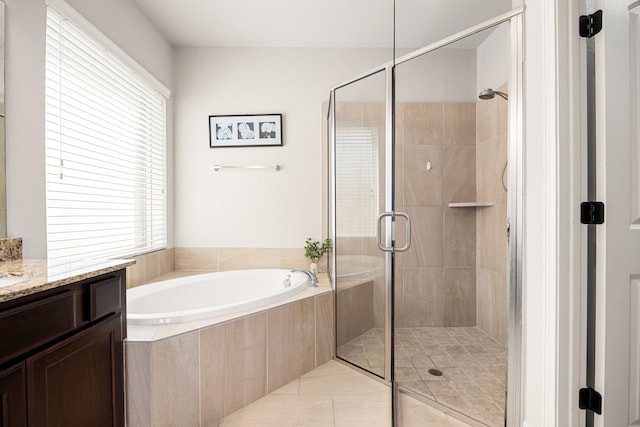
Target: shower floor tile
{"points": [[473, 366]]}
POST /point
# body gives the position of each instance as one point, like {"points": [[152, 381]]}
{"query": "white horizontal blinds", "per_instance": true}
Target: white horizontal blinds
{"points": [[105, 150], [357, 191]]}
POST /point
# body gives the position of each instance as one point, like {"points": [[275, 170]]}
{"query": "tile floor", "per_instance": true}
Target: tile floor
{"points": [[335, 395], [472, 363]]}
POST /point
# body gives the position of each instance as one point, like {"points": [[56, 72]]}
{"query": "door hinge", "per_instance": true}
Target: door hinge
{"points": [[592, 213], [590, 400], [590, 25]]}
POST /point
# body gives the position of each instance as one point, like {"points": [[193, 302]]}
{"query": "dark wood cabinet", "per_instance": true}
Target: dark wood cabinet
{"points": [[77, 382], [61, 356], [13, 396]]}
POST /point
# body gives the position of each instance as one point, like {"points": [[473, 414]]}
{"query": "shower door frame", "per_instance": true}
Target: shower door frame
{"points": [[388, 205], [515, 202]]}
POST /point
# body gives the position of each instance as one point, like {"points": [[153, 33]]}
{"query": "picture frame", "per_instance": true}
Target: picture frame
{"points": [[247, 130]]}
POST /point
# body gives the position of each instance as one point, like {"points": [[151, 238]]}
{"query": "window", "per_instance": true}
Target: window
{"points": [[357, 193], [105, 150]]}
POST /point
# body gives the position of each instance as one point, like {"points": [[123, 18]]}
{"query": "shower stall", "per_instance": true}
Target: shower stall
{"points": [[424, 263]]}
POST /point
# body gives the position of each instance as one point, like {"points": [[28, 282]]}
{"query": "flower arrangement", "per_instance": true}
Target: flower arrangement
{"points": [[314, 250]]}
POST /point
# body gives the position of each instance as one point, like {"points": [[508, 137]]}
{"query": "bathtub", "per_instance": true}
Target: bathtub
{"points": [[202, 296], [182, 372]]}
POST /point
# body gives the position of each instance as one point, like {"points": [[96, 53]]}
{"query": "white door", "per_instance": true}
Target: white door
{"points": [[617, 360]]}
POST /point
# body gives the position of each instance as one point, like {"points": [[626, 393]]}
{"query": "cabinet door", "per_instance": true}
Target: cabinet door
{"points": [[79, 382], [13, 397]]}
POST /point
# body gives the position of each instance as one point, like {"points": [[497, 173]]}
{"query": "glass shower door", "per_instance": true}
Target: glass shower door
{"points": [[359, 150], [450, 312]]}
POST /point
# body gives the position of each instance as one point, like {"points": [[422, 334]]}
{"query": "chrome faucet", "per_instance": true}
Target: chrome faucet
{"points": [[313, 280]]}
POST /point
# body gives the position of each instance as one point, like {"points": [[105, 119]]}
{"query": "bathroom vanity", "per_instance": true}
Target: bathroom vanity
{"points": [[61, 343]]}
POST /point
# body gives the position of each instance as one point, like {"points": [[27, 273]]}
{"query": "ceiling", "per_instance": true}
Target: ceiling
{"points": [[315, 23]]}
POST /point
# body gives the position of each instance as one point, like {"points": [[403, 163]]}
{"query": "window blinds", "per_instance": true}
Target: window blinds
{"points": [[105, 150], [357, 192]]}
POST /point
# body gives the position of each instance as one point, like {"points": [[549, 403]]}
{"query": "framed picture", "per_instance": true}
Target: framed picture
{"points": [[251, 130]]}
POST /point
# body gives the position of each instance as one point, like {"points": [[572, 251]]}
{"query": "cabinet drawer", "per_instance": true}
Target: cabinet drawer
{"points": [[105, 297], [26, 327]]}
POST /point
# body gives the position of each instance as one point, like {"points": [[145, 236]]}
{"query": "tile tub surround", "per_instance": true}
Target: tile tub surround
{"points": [[197, 377], [151, 266], [354, 310], [10, 249], [224, 259]]}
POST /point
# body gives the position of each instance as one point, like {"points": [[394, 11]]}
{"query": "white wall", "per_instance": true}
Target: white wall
{"points": [[255, 208], [444, 75], [122, 22], [493, 59]]}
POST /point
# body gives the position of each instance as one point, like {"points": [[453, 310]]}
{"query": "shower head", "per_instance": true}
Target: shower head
{"points": [[490, 94]]}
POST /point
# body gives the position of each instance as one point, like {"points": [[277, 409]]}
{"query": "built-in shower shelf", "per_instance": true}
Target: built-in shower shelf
{"points": [[470, 205]]}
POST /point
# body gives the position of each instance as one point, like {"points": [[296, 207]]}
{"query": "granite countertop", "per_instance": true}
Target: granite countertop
{"points": [[38, 275]]}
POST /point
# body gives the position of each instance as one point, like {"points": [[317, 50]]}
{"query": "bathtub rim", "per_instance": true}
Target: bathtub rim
{"points": [[152, 333], [175, 317]]}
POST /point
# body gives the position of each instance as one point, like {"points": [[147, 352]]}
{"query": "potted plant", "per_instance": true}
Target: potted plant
{"points": [[314, 250]]}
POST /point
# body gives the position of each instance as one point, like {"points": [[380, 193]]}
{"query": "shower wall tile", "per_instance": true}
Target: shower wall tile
{"points": [[422, 187], [460, 124], [501, 240], [427, 238], [399, 124], [501, 158], [399, 192], [485, 283], [138, 379], [399, 311], [502, 120], [197, 259], [175, 375], [487, 119], [492, 124], [459, 170], [460, 296], [423, 297], [492, 304], [487, 175], [459, 237], [486, 238], [423, 124], [325, 336], [501, 309], [291, 342]]}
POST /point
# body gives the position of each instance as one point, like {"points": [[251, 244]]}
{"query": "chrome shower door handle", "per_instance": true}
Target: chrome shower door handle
{"points": [[382, 216], [407, 232], [392, 248]]}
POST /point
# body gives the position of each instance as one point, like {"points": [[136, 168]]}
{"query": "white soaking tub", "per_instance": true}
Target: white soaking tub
{"points": [[208, 295]]}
